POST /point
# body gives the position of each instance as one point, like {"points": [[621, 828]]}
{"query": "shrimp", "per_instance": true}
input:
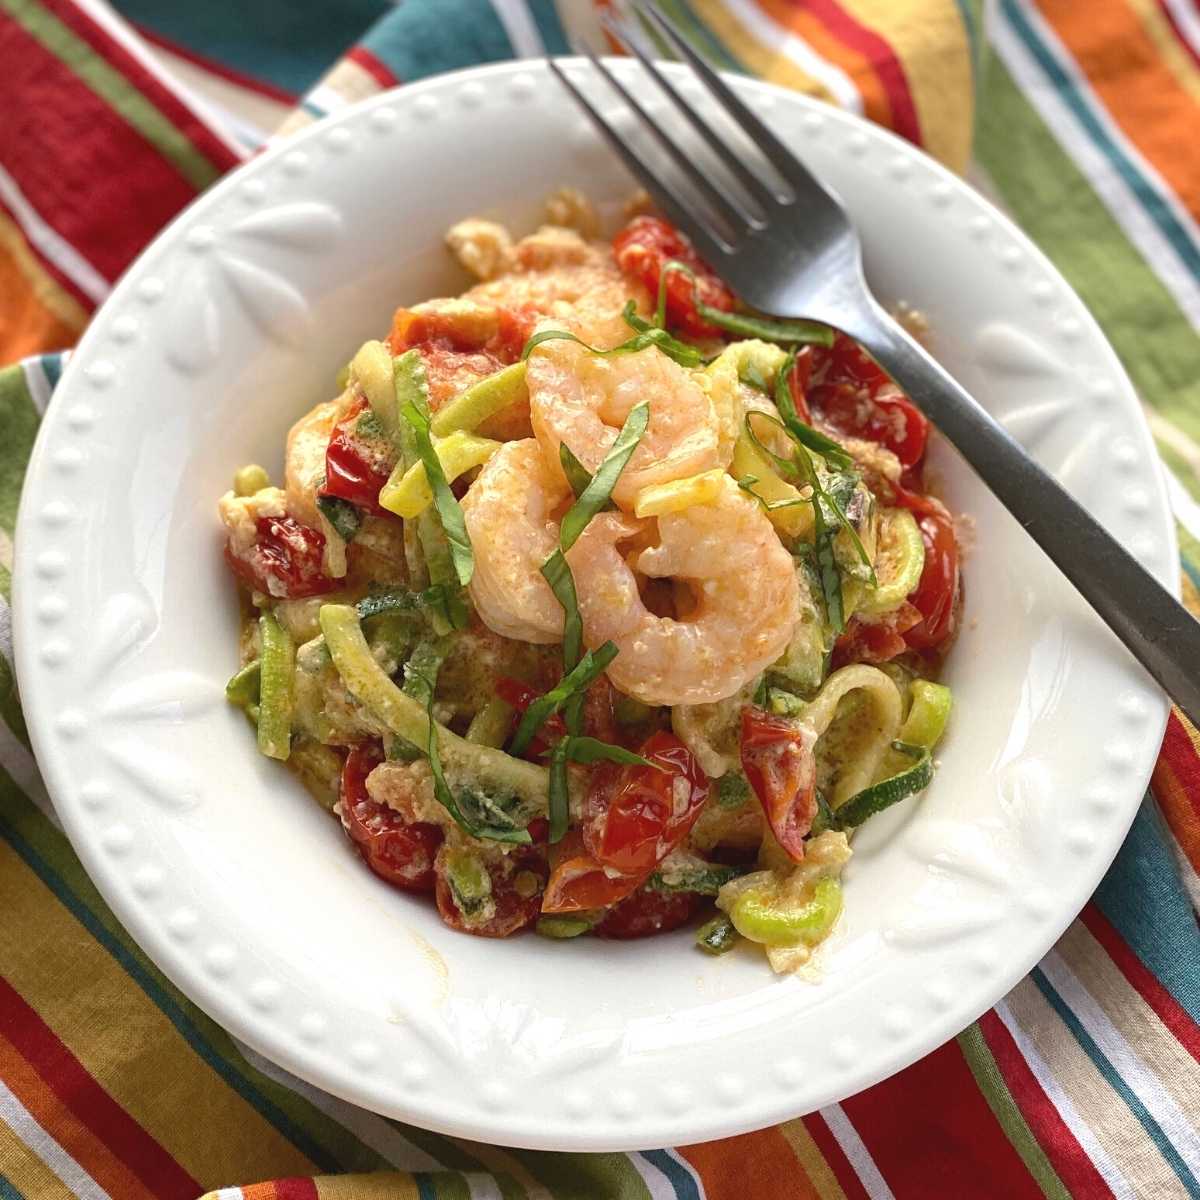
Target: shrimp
{"points": [[746, 599], [581, 398], [304, 464], [509, 512]]}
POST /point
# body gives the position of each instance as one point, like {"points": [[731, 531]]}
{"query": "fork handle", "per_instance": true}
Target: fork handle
{"points": [[1158, 631]]}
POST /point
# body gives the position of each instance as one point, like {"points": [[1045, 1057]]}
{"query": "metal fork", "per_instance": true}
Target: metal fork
{"points": [[797, 255]]}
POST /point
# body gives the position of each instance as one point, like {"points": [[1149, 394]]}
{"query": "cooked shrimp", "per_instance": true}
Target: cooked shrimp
{"points": [[746, 598], [509, 512], [582, 399], [304, 465]]}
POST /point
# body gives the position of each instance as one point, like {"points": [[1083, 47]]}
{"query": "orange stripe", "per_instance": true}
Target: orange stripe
{"points": [[1170, 46], [856, 65], [753, 1164], [66, 1128], [1127, 74], [37, 314]]}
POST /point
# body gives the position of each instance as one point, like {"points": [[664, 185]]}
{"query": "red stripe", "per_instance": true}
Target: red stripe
{"points": [[66, 1077], [876, 50], [833, 1154], [931, 1133], [92, 178], [1066, 1155], [240, 78], [1179, 752], [375, 67], [1170, 1012], [168, 102], [1182, 37], [295, 1189]]}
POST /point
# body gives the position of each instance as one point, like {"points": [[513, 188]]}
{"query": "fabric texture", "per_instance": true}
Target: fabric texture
{"points": [[1079, 119]]}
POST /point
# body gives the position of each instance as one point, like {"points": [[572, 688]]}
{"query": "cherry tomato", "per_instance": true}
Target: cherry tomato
{"points": [[448, 331], [936, 595], [517, 883], [284, 561], [646, 913], [875, 641], [798, 382], [642, 249], [400, 851], [581, 883], [851, 392], [357, 466], [777, 759], [637, 815]]}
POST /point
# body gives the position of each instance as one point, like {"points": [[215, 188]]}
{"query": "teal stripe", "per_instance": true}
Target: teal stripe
{"points": [[52, 367], [420, 38], [313, 110], [425, 1188], [1151, 201], [1143, 897], [1113, 1077], [173, 1011], [679, 1177], [7, 1191], [1193, 573], [545, 17]]}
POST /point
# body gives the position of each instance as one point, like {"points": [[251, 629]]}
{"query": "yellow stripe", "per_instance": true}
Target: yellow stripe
{"points": [[1100, 1108], [381, 1185], [500, 1162], [812, 1160], [1178, 1073], [762, 60], [1178, 61], [931, 41], [27, 1172], [126, 1042]]}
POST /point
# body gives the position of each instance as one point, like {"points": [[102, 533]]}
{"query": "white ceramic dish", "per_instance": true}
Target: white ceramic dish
{"points": [[233, 323]]}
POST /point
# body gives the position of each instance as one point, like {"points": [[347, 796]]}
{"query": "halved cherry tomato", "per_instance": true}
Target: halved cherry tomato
{"points": [[581, 883], [875, 641], [400, 851], [637, 815], [284, 561], [777, 758], [646, 913], [645, 246], [851, 392], [447, 330], [356, 467], [936, 595], [798, 382], [514, 910]]}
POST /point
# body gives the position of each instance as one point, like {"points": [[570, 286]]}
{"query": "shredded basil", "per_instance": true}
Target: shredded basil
{"points": [[749, 325], [600, 487], [588, 750], [562, 583], [578, 476], [414, 408], [647, 335], [591, 666], [560, 797], [806, 435]]}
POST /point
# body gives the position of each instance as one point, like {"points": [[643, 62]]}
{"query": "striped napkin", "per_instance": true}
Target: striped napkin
{"points": [[1080, 119]]}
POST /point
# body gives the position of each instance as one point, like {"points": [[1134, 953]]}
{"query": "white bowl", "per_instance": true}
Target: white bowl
{"points": [[235, 321]]}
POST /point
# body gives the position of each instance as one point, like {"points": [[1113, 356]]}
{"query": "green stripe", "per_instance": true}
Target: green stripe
{"points": [[1055, 204], [1008, 1115], [10, 703], [1189, 554], [115, 90], [48, 854], [19, 420], [585, 1176], [701, 37]]}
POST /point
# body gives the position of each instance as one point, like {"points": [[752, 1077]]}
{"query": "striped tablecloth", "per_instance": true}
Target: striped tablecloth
{"points": [[1082, 118]]}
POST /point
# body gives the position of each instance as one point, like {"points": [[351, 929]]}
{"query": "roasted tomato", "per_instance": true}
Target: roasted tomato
{"points": [[581, 883], [515, 899], [876, 641], [503, 339], [936, 596], [400, 851], [777, 758], [284, 561], [848, 390], [521, 696], [635, 816], [357, 463], [645, 246], [647, 912]]}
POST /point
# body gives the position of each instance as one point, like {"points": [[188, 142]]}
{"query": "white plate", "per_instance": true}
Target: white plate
{"points": [[235, 321]]}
